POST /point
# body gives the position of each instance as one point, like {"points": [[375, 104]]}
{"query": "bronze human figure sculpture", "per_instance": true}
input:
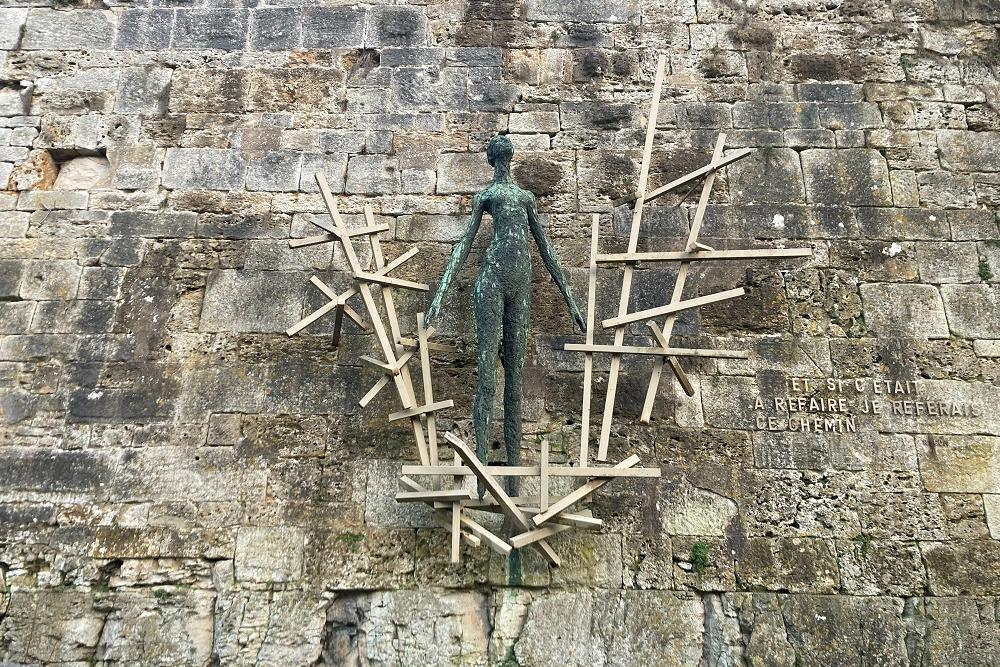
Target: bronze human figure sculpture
{"points": [[503, 293]]}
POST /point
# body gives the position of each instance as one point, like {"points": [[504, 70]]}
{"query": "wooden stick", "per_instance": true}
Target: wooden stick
{"points": [[675, 365], [388, 349], [468, 524], [531, 536], [703, 255], [456, 532], [579, 494], [496, 490], [364, 358], [311, 240], [532, 471], [658, 351], [687, 178], [421, 496], [682, 273], [421, 410], [383, 382], [633, 241], [425, 367], [576, 520], [543, 474], [670, 308], [389, 280], [588, 359]]}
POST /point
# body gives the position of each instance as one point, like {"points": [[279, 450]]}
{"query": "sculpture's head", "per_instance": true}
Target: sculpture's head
{"points": [[499, 150]]}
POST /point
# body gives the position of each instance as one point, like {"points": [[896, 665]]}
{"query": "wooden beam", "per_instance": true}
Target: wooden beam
{"points": [[674, 307], [675, 365], [425, 368], [421, 410], [456, 532], [533, 471], [579, 494], [389, 280], [531, 536], [658, 351], [633, 241], [588, 359], [424, 496], [383, 381], [692, 245], [687, 178], [405, 392], [543, 474], [703, 255], [496, 490], [475, 531]]}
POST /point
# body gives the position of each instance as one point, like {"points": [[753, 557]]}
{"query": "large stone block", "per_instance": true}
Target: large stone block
{"points": [[395, 26], [904, 311], [269, 554], [50, 279], [793, 565], [966, 150], [277, 171], [959, 464], [68, 30], [895, 224], [11, 25], [224, 29], [275, 29], [616, 11], [238, 300], [144, 90], [973, 310], [967, 567], [333, 27], [853, 177], [771, 175], [145, 29], [203, 169], [462, 173], [373, 174]]}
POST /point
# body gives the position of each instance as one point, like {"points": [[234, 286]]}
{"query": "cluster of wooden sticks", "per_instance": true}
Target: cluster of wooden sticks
{"points": [[536, 517]]}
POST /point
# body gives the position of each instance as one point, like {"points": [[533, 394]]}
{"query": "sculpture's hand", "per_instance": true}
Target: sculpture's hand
{"points": [[580, 322], [432, 312]]}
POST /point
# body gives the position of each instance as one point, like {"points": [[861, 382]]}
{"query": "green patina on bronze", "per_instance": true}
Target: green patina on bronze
{"points": [[503, 293]]}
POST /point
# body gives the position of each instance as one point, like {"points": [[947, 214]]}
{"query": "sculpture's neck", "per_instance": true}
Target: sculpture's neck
{"points": [[501, 173]]}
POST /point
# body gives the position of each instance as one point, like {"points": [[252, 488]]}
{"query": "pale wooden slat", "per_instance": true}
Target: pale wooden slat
{"points": [[456, 532], [703, 255], [581, 520], [671, 308], [444, 494], [533, 471], [543, 474], [425, 368], [531, 536], [470, 539], [588, 359], [579, 494], [394, 282], [388, 349], [658, 351], [383, 381], [311, 240], [675, 365], [420, 410], [692, 245], [687, 178], [496, 490], [633, 240]]}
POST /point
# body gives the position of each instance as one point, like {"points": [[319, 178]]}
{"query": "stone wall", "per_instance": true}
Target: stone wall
{"points": [[182, 484]]}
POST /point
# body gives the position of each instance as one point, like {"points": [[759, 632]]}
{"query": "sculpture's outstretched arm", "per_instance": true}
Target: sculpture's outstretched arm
{"points": [[551, 261], [458, 256]]}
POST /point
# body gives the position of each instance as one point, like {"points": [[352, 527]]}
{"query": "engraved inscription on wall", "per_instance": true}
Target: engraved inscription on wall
{"points": [[841, 405]]}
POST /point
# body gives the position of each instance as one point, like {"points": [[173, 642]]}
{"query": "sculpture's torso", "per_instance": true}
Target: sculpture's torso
{"points": [[506, 264]]}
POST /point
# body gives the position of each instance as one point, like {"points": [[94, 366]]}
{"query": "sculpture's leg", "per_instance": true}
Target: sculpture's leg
{"points": [[489, 311], [515, 346]]}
